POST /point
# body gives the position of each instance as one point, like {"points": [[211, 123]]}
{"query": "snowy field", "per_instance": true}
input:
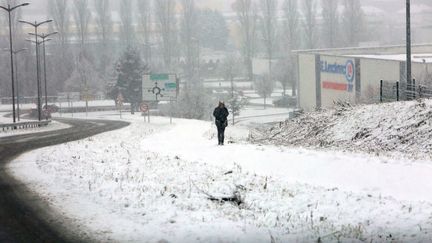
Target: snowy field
{"points": [[152, 183]]}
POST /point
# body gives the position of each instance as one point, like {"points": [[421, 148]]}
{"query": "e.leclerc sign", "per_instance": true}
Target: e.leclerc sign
{"points": [[347, 70]]}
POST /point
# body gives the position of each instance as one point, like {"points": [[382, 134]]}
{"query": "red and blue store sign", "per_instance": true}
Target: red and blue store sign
{"points": [[347, 70]]}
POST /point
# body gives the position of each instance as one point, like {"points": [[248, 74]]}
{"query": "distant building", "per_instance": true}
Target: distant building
{"points": [[353, 75]]}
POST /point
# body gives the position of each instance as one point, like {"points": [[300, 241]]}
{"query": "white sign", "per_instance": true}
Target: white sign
{"points": [[159, 87]]}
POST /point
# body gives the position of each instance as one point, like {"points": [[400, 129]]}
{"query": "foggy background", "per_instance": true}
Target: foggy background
{"points": [[200, 41]]}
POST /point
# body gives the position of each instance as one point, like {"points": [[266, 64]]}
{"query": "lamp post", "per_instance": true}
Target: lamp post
{"points": [[36, 25], [15, 53], [45, 39], [38, 43], [9, 9], [17, 82]]}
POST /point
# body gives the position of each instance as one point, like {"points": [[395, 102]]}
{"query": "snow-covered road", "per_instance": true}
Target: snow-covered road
{"points": [[150, 178]]}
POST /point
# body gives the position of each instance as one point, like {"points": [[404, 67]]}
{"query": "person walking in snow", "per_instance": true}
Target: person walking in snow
{"points": [[221, 115]]}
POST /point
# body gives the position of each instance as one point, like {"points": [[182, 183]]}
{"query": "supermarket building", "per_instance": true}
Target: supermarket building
{"points": [[353, 75]]}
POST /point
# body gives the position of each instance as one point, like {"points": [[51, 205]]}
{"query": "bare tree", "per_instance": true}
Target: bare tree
{"points": [[145, 18], [190, 38], [58, 10], [165, 12], [352, 19], [264, 86], [230, 69], [63, 65], [104, 25], [268, 21], [83, 65], [82, 20], [286, 68], [103, 20], [291, 13], [309, 22], [126, 16], [330, 22], [247, 18]]}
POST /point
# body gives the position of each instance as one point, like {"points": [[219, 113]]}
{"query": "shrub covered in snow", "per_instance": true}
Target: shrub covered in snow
{"points": [[391, 129]]}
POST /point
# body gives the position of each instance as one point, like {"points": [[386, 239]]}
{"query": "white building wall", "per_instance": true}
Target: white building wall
{"points": [[307, 81]]}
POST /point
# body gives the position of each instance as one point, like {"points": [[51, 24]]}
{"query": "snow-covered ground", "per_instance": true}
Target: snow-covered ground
{"points": [[151, 183]]}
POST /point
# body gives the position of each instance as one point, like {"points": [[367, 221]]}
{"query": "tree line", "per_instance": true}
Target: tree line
{"points": [[172, 35]]}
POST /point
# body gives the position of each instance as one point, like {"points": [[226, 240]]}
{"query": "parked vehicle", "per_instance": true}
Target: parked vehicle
{"points": [[46, 114], [51, 108], [286, 102]]}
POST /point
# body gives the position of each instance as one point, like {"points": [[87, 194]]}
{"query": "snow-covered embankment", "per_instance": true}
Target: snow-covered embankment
{"points": [[146, 183]]}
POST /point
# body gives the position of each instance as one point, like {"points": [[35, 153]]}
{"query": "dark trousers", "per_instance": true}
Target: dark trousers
{"points": [[221, 132]]}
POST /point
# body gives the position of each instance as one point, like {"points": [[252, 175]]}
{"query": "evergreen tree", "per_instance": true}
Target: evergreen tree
{"points": [[130, 70]]}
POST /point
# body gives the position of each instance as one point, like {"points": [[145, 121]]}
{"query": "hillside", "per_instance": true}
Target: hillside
{"points": [[391, 129]]}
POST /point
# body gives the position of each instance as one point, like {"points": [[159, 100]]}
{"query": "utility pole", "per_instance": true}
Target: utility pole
{"points": [[408, 46], [232, 96]]}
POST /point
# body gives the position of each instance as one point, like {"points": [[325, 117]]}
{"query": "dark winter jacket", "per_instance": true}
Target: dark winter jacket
{"points": [[221, 115]]}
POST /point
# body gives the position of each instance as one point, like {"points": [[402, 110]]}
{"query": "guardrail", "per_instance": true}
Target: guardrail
{"points": [[81, 109], [24, 125]]}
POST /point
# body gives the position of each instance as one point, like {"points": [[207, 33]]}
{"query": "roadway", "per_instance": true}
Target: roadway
{"points": [[24, 217]]}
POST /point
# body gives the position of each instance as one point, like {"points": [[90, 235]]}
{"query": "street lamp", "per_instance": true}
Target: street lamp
{"points": [[36, 25], [9, 9], [45, 38], [15, 53], [38, 43]]}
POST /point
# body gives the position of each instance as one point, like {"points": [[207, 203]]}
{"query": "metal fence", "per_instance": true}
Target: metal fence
{"points": [[399, 91], [23, 125]]}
